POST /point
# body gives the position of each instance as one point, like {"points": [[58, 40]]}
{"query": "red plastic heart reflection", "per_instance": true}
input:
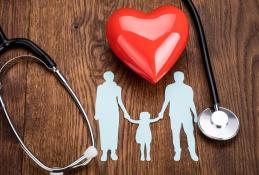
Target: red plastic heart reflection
{"points": [[149, 43]]}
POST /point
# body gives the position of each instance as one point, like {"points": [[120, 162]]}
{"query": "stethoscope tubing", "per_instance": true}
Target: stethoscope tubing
{"points": [[81, 161], [6, 44], [204, 50]]}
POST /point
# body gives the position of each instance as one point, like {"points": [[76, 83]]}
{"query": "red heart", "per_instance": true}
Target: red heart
{"points": [[149, 43]]}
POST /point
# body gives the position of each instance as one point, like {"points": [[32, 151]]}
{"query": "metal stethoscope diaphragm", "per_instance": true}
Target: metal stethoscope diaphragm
{"points": [[219, 123], [216, 122]]}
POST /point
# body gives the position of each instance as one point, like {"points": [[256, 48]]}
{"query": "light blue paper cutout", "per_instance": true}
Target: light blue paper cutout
{"points": [[180, 98], [108, 101], [143, 133]]}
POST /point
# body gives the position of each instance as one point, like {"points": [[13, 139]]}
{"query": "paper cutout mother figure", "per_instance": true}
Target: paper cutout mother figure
{"points": [[108, 101], [143, 134], [180, 98]]}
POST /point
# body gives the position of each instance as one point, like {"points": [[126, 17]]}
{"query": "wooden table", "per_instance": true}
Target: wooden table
{"points": [[72, 32]]}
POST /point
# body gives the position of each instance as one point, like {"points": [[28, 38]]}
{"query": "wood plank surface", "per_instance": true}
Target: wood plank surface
{"points": [[72, 32]]}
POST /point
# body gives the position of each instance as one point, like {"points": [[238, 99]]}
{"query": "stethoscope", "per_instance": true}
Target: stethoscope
{"points": [[45, 60], [215, 122]]}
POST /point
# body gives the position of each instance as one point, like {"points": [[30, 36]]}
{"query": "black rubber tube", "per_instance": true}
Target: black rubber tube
{"points": [[33, 48], [6, 44], [204, 50], [2, 36]]}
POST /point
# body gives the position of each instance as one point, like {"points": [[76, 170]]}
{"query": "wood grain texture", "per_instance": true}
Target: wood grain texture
{"points": [[72, 32]]}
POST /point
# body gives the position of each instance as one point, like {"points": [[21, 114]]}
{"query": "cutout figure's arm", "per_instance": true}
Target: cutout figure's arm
{"points": [[121, 103], [155, 119], [193, 109], [132, 120], [165, 102], [97, 105]]}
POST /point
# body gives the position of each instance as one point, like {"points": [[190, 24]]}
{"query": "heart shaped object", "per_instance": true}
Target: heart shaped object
{"points": [[149, 43]]}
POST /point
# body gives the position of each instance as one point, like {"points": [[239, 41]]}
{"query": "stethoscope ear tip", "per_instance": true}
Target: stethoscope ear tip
{"points": [[61, 173], [90, 152]]}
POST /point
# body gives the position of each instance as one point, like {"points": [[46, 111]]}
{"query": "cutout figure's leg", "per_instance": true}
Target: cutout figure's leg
{"points": [[114, 155], [188, 129], [104, 155], [142, 151], [148, 158], [176, 127]]}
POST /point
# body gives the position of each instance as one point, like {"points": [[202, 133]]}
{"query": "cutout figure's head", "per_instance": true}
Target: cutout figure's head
{"points": [[144, 116], [178, 77], [108, 76]]}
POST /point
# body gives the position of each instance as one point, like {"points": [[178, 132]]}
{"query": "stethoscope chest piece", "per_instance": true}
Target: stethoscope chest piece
{"points": [[222, 124]]}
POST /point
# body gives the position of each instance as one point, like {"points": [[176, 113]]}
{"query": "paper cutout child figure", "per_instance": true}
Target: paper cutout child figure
{"points": [[143, 134], [180, 98], [108, 101]]}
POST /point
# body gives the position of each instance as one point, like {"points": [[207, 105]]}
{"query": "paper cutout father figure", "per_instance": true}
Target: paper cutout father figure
{"points": [[181, 108]]}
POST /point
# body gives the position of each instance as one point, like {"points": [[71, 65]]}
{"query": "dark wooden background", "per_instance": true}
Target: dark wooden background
{"points": [[72, 32]]}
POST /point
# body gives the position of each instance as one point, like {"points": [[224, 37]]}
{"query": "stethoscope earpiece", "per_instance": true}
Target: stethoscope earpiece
{"points": [[60, 173], [90, 152]]}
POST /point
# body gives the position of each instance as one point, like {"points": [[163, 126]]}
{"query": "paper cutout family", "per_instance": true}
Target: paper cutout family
{"points": [[178, 96]]}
